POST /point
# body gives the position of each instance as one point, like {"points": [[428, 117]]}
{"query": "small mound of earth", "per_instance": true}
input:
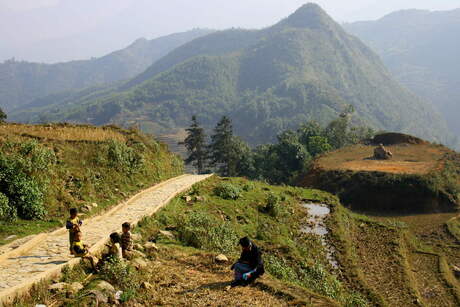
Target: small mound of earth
{"points": [[396, 138]]}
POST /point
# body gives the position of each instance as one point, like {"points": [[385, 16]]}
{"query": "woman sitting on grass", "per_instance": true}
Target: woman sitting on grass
{"points": [[250, 265]]}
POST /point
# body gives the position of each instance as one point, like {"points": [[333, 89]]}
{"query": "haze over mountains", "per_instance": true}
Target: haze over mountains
{"points": [[421, 49], [22, 82], [305, 67]]}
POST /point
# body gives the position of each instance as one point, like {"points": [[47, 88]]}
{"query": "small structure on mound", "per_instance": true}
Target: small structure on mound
{"points": [[381, 153]]}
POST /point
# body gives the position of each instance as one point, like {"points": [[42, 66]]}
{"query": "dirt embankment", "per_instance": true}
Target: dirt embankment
{"points": [[421, 177]]}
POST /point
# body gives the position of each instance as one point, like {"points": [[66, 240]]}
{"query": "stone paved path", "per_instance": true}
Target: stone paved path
{"points": [[54, 250]]}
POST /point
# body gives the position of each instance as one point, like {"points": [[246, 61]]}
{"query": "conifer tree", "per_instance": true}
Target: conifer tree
{"points": [[2, 116], [195, 142], [222, 148]]}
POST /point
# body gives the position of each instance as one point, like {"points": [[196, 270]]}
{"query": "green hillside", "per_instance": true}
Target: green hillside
{"points": [[421, 49], [305, 67], [23, 82], [47, 169]]}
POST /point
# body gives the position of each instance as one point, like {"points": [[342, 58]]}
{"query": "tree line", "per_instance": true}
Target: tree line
{"points": [[278, 163]]}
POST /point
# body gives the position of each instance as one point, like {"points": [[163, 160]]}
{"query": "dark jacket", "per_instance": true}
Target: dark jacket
{"points": [[253, 257]]}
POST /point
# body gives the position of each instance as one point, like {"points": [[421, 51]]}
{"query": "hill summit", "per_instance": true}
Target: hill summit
{"points": [[303, 68], [309, 15]]}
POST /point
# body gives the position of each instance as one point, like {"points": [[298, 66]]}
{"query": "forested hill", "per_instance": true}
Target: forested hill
{"points": [[305, 67], [421, 49], [23, 82]]}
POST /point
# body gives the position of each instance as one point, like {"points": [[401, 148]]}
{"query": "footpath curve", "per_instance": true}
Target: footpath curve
{"points": [[46, 254]]}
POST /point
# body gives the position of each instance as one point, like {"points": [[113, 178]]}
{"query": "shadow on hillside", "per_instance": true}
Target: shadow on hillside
{"points": [[212, 286]]}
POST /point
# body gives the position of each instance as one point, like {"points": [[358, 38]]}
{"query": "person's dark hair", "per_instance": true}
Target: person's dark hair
{"points": [[126, 225], [73, 211], [245, 242], [115, 237]]}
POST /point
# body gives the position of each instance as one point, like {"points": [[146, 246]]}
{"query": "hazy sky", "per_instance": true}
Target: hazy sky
{"points": [[343, 10], [60, 30]]}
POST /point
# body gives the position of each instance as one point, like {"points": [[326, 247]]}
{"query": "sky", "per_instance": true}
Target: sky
{"points": [[62, 30]]}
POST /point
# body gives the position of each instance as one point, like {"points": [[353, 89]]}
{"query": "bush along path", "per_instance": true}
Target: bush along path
{"points": [[19, 272]]}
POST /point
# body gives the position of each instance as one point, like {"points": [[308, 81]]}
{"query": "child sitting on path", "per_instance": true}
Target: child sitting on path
{"points": [[81, 250], [126, 241], [73, 225]]}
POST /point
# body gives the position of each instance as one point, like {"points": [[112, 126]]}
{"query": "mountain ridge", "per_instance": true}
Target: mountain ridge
{"points": [[420, 48], [22, 82], [268, 81]]}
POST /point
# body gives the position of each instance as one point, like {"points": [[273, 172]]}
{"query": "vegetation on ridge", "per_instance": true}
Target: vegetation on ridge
{"points": [[276, 79], [47, 169]]}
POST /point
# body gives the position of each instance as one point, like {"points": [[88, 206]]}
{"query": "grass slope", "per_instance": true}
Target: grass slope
{"points": [[383, 261], [74, 166]]}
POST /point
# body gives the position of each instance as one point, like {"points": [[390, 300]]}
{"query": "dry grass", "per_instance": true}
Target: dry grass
{"points": [[63, 132], [380, 260], [407, 159]]}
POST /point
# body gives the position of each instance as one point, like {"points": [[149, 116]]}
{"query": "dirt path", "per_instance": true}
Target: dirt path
{"points": [[52, 253]]}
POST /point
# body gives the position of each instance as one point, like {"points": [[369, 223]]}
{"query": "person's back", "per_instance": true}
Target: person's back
{"points": [[115, 249]]}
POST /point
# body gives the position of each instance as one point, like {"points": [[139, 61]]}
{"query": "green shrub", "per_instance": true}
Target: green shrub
{"points": [[273, 206], [7, 213], [249, 187], [123, 157], [25, 194], [119, 273], [202, 230], [279, 268], [228, 191]]}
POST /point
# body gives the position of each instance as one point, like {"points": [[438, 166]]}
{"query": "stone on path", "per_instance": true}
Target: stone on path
{"points": [[150, 247], [221, 258]]}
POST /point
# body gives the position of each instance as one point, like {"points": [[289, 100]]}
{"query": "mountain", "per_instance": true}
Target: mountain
{"points": [[306, 67], [421, 49], [22, 82]]}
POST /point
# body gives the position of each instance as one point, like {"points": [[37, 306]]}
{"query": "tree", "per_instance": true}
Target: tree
{"points": [[3, 116], [225, 149], [195, 142]]}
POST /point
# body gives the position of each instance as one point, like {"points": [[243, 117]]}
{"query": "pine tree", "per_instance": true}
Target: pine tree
{"points": [[195, 142], [2, 116], [221, 150]]}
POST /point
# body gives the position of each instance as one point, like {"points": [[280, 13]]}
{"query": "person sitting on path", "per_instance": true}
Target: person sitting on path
{"points": [[114, 246], [81, 250], [126, 240], [73, 224], [114, 250], [250, 265]]}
